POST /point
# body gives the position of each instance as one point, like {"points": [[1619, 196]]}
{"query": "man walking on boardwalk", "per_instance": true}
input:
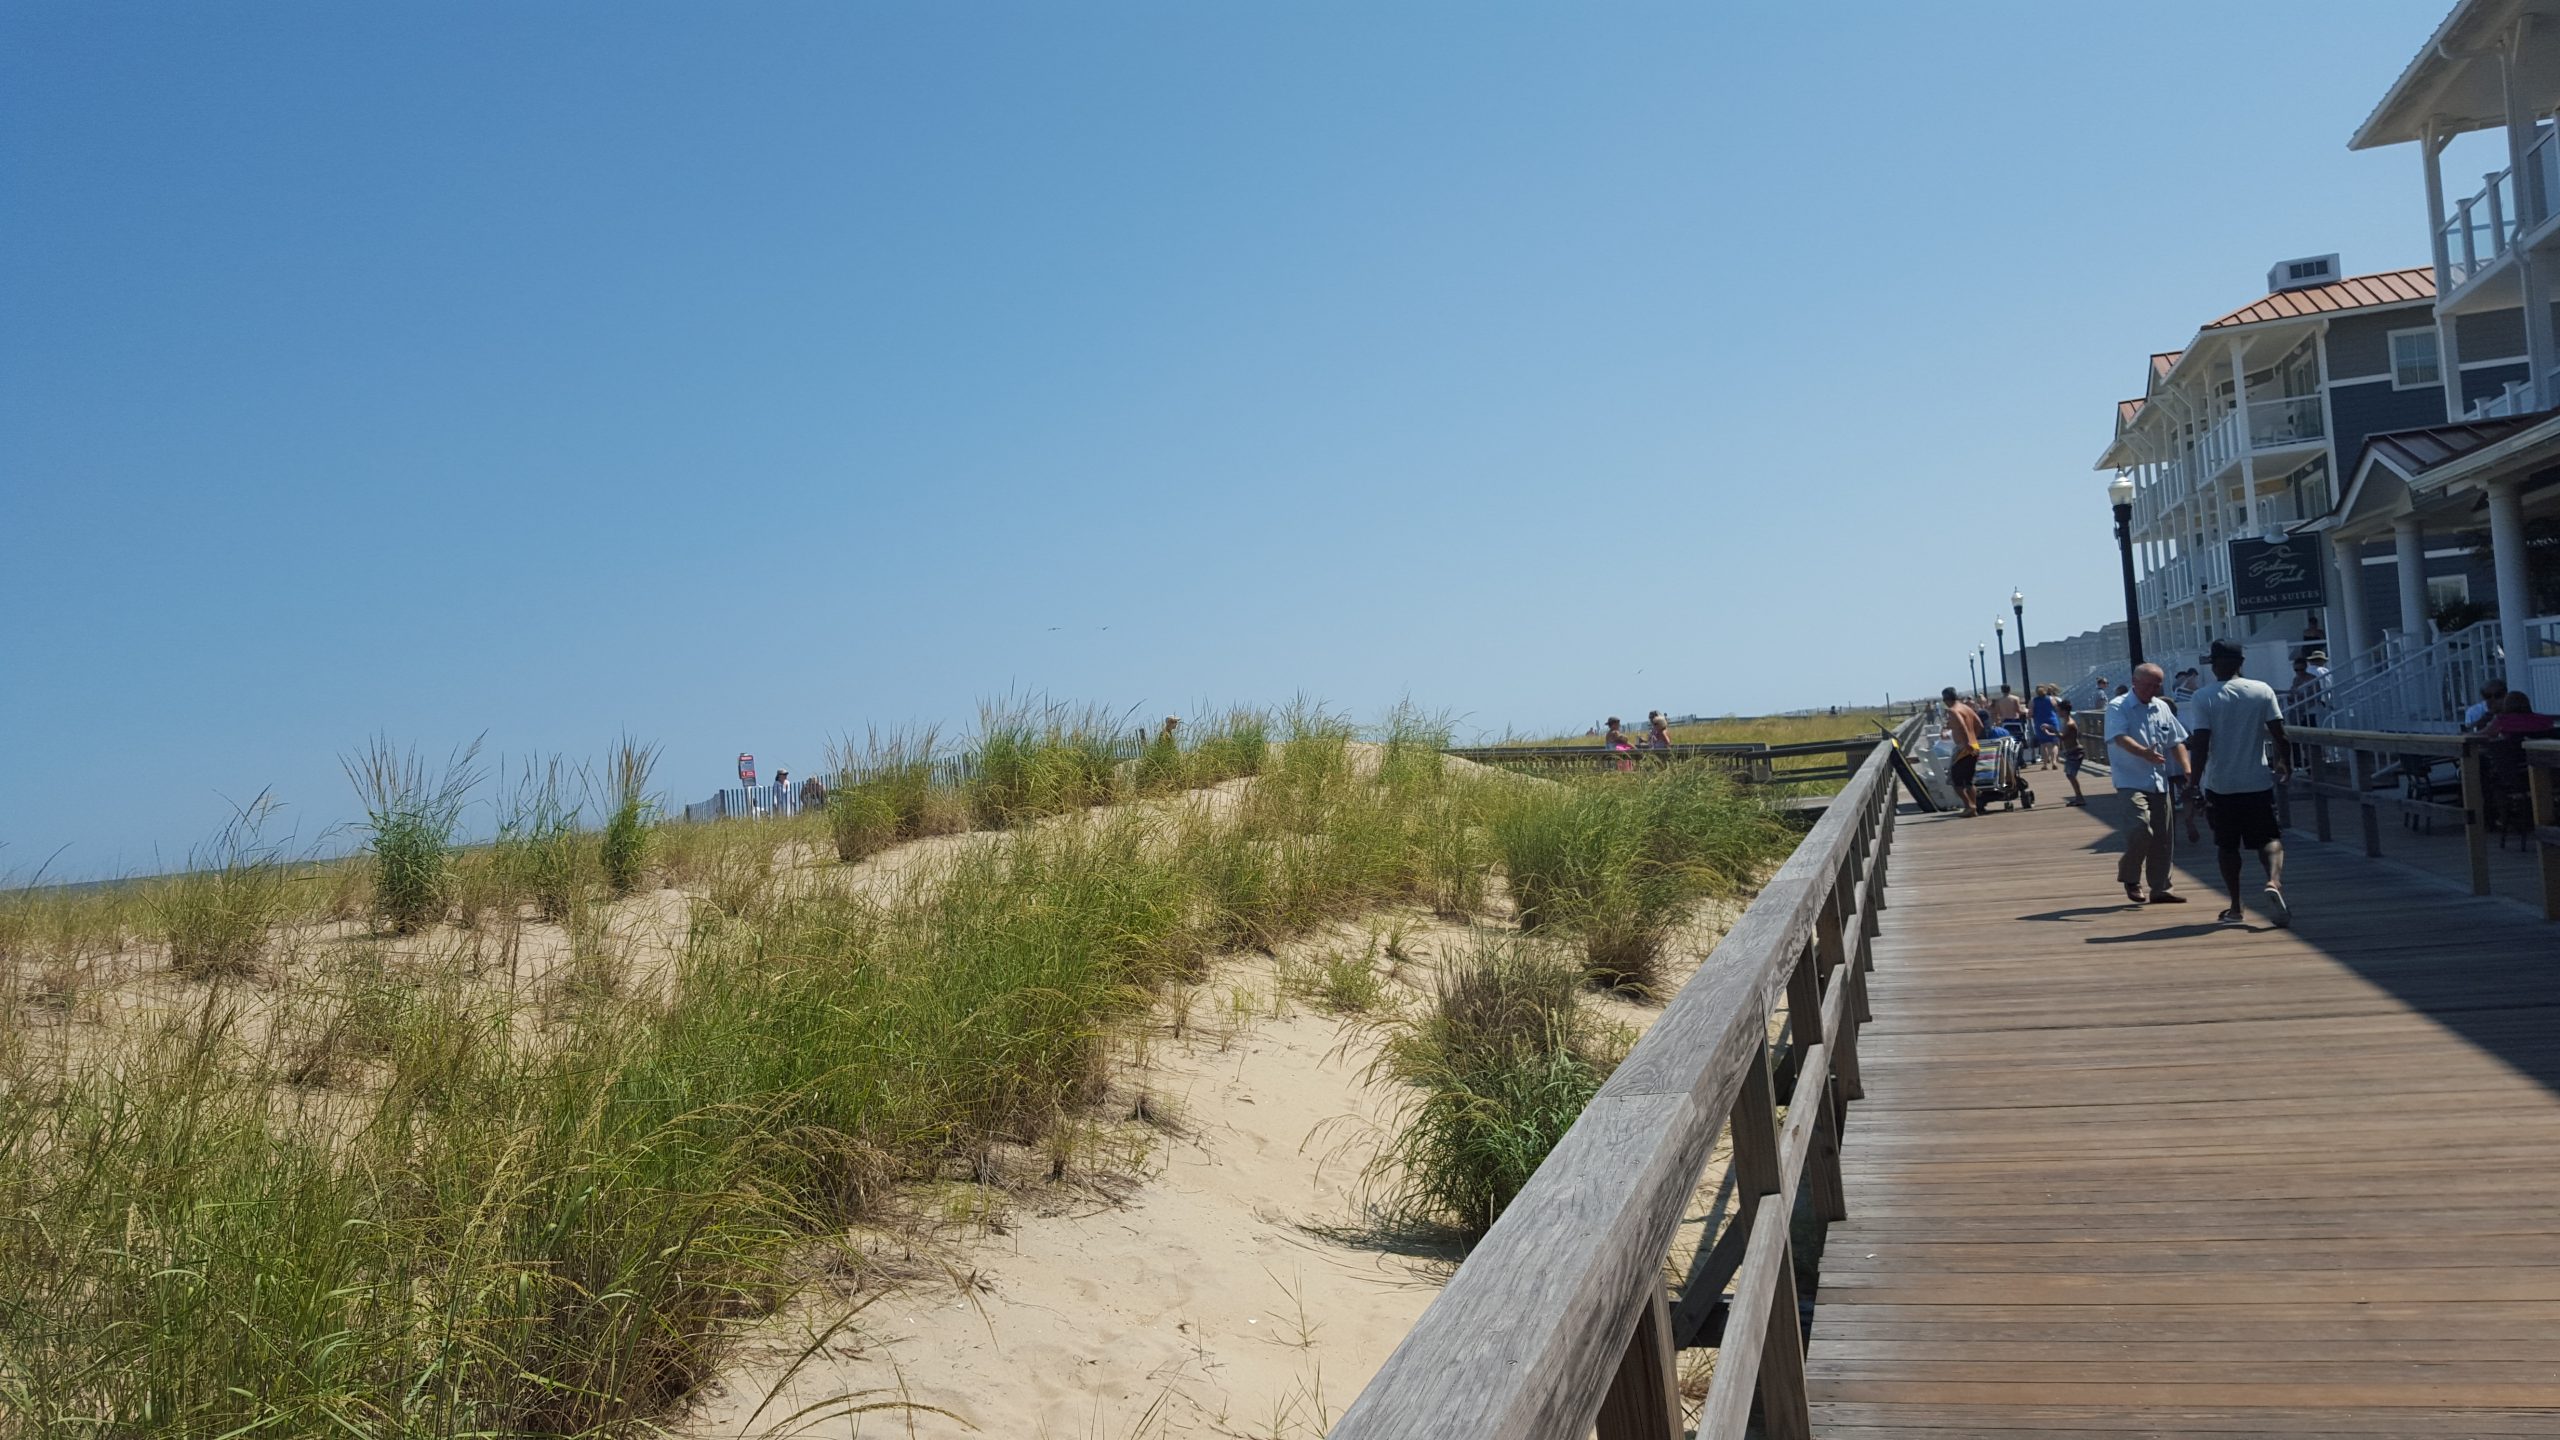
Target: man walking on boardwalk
{"points": [[2144, 742], [2238, 727], [1964, 727]]}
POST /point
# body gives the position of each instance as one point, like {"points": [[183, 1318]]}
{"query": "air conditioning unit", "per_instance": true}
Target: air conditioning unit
{"points": [[2303, 274]]}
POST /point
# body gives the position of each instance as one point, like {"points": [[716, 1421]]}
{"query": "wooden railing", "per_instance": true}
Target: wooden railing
{"points": [[2348, 765], [1760, 764], [1561, 1320]]}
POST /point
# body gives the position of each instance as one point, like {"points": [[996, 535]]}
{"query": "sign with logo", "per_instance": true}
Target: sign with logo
{"points": [[2272, 575], [746, 768]]}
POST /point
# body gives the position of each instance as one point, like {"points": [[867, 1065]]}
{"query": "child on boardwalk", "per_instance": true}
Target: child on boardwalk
{"points": [[2073, 754]]}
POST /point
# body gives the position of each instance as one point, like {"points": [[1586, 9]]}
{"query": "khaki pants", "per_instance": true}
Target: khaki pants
{"points": [[2146, 840]]}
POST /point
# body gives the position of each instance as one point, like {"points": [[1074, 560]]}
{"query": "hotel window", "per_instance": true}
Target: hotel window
{"points": [[2413, 359]]}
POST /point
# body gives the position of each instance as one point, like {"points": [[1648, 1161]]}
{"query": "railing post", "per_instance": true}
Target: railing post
{"points": [[1784, 1411], [1804, 1012], [2475, 816], [2320, 792], [2360, 768], [1643, 1402], [2544, 786]]}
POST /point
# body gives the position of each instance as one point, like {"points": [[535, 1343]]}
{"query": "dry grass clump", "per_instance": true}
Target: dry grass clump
{"points": [[622, 852], [1501, 1064], [1036, 758], [218, 915], [888, 790], [1609, 861], [410, 813]]}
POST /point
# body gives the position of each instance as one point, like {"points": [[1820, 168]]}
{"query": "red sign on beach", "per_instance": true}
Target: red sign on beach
{"points": [[746, 768]]}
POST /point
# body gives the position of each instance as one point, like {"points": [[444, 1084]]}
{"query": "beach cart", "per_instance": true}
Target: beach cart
{"points": [[2001, 775]]}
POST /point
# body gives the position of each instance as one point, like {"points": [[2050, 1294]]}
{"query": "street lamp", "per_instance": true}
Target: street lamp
{"points": [[2018, 607], [2120, 495], [1982, 667], [2000, 640]]}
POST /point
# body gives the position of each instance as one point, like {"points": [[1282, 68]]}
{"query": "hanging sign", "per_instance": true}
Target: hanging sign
{"points": [[746, 768], [2272, 575]]}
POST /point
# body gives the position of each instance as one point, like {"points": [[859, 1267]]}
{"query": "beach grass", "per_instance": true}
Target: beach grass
{"points": [[389, 1190]]}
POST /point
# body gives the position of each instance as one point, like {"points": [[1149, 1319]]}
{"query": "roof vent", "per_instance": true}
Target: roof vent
{"points": [[2302, 274]]}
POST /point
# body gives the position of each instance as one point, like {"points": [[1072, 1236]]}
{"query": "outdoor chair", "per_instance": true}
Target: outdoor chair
{"points": [[2506, 787], [2420, 780]]}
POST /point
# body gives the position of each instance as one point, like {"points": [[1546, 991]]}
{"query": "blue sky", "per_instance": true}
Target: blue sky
{"points": [[744, 375]]}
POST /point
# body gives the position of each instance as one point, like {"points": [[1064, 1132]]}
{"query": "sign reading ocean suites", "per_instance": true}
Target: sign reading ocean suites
{"points": [[2270, 575]]}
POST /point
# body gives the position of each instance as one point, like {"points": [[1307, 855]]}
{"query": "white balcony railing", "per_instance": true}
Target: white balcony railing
{"points": [[2487, 226], [2286, 420], [2515, 399], [2219, 446]]}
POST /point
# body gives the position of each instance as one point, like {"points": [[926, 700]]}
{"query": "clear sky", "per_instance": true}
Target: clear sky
{"points": [[742, 375]]}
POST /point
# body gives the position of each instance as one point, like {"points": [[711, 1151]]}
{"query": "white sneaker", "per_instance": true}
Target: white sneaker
{"points": [[2278, 910]]}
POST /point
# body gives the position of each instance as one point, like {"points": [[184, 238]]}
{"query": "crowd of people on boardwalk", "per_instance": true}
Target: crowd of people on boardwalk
{"points": [[2176, 744]]}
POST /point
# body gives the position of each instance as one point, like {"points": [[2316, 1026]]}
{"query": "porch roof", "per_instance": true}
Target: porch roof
{"points": [[2453, 84], [2402, 471]]}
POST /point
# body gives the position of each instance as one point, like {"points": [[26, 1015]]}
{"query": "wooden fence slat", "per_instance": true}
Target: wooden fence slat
{"points": [[1643, 1402], [1728, 1407], [1784, 1411], [2475, 818], [2544, 783]]}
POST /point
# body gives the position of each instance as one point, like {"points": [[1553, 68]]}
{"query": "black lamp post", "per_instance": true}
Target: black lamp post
{"points": [[1982, 669], [2000, 642], [2120, 494], [2018, 607]]}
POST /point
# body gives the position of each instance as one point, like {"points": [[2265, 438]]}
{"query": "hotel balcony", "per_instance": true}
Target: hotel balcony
{"points": [[2482, 231]]}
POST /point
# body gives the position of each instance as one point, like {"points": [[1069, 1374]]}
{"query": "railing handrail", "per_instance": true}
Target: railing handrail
{"points": [[1562, 1306]]}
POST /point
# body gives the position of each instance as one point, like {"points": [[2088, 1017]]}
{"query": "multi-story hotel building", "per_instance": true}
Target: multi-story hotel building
{"points": [[2409, 418]]}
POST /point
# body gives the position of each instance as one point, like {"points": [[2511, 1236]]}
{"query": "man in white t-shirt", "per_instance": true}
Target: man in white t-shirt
{"points": [[2240, 754]]}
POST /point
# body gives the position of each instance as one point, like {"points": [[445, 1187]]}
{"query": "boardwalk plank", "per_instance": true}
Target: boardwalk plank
{"points": [[2122, 1171]]}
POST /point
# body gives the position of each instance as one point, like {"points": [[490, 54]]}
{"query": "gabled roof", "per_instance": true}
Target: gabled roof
{"points": [[2125, 411], [2415, 452], [2164, 362], [2405, 462], [2356, 292]]}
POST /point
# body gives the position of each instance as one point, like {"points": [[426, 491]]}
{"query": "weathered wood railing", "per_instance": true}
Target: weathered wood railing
{"points": [[1758, 763], [1561, 1319], [2348, 765], [2542, 762]]}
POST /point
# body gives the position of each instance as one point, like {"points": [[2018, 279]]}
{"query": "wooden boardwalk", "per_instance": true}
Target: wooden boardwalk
{"points": [[2121, 1171]]}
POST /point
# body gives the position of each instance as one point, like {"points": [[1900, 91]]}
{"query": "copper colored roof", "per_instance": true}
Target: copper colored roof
{"points": [[2126, 410], [2415, 452], [2164, 362], [2357, 292]]}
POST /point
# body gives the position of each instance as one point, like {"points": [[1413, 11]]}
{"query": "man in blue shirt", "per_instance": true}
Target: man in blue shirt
{"points": [[2044, 720], [2144, 743]]}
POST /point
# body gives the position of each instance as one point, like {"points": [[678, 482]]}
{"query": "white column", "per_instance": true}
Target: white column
{"points": [[2248, 460], [2349, 566], [2431, 157], [2409, 542], [2515, 597]]}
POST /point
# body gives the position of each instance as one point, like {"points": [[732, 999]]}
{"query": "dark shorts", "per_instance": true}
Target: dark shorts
{"points": [[2071, 766], [1960, 770], [2245, 821]]}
